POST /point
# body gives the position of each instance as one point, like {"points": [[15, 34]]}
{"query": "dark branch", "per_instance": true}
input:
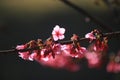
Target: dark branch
{"points": [[15, 50], [80, 10], [109, 35]]}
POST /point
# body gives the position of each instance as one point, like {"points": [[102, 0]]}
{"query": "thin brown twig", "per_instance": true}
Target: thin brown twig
{"points": [[80, 10], [109, 35]]}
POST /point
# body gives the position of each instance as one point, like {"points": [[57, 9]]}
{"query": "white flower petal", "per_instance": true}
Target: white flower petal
{"points": [[62, 30], [87, 35], [61, 37], [53, 32], [45, 59], [30, 58], [90, 35], [56, 28], [20, 47], [55, 37]]}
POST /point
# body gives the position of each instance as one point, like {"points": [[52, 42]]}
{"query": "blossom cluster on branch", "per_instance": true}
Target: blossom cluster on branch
{"points": [[54, 54], [114, 63]]}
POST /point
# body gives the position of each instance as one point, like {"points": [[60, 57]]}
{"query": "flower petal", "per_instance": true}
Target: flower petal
{"points": [[53, 32], [61, 37], [62, 30], [19, 47], [55, 37], [90, 35], [56, 28]]}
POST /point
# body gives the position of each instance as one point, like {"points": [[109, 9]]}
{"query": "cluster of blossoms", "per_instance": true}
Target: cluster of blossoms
{"points": [[114, 63], [54, 53]]}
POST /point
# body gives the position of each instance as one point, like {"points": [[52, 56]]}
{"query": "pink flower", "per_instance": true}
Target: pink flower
{"points": [[46, 55], [68, 50], [114, 64], [58, 33], [113, 67], [93, 59], [19, 47], [24, 55], [100, 46], [78, 52], [32, 56], [60, 62], [56, 48], [90, 36]]}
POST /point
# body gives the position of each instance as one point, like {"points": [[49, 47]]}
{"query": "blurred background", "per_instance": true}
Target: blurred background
{"points": [[25, 20]]}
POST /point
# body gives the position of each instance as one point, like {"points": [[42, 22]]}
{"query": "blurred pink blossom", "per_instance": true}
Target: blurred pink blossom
{"points": [[114, 63], [113, 67], [60, 62], [87, 19], [93, 59]]}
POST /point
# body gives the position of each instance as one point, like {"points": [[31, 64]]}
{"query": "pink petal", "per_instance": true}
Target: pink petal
{"points": [[83, 49], [32, 56], [56, 28], [19, 47], [45, 59], [53, 32], [62, 30], [55, 37], [24, 55], [90, 35], [61, 37]]}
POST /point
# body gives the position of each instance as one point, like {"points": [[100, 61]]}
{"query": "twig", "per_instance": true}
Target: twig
{"points": [[15, 50], [80, 10], [109, 35]]}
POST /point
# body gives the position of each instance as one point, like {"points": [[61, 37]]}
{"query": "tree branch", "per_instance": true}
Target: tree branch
{"points": [[109, 35], [80, 10]]}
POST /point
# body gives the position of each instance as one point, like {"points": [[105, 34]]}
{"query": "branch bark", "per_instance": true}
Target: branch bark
{"points": [[109, 35], [80, 10]]}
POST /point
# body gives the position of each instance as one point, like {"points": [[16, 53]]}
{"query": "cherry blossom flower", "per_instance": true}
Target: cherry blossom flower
{"points": [[75, 37], [19, 47], [24, 55], [69, 50], [58, 33], [114, 63], [100, 46], [65, 50], [56, 48], [61, 61], [33, 56], [46, 54], [78, 52], [113, 67], [91, 36], [93, 59]]}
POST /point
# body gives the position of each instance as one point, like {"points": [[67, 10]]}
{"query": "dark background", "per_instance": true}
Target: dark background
{"points": [[25, 20]]}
